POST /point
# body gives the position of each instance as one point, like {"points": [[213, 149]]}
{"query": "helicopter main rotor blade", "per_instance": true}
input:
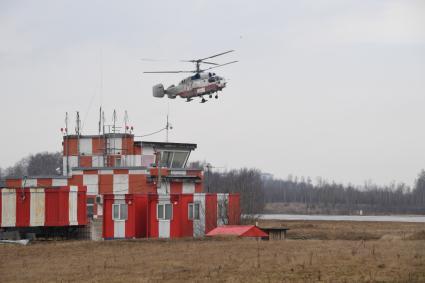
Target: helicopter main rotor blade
{"points": [[211, 63], [219, 65], [202, 60], [215, 55], [168, 72]]}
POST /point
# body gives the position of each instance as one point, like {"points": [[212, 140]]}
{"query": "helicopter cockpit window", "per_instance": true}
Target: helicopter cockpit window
{"points": [[195, 77], [211, 80]]}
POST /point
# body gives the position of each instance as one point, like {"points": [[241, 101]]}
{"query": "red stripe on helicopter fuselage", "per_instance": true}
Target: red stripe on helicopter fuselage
{"points": [[194, 92]]}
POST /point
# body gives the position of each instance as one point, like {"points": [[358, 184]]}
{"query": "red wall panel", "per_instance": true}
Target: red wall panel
{"points": [[175, 221], [153, 225], [176, 187], [141, 216], [108, 223], [13, 183], [57, 207], [198, 188], [234, 211], [137, 150], [97, 146], [44, 182], [186, 224], [127, 146], [70, 146], [76, 180], [137, 183], [23, 207], [85, 161], [105, 184], [82, 206], [130, 222]]}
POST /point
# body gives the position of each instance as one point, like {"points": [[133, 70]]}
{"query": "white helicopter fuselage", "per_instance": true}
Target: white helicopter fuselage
{"points": [[197, 85]]}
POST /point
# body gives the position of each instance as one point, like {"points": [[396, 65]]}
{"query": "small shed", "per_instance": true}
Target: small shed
{"points": [[238, 230], [276, 233]]}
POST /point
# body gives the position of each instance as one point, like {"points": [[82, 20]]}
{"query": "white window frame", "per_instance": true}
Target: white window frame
{"points": [[192, 208], [119, 212], [163, 211]]}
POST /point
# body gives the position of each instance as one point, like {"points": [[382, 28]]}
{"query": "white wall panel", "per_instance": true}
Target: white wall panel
{"points": [[8, 207], [120, 184], [199, 225], [97, 161], [37, 207], [163, 225], [86, 146], [188, 187], [92, 183], [119, 225], [73, 205], [59, 182], [222, 207]]}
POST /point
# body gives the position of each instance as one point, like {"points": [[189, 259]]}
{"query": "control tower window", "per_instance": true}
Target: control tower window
{"points": [[174, 159], [179, 159], [166, 158]]}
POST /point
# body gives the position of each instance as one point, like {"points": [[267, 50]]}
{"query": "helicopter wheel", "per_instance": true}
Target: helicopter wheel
{"points": [[203, 100], [216, 96], [210, 95]]}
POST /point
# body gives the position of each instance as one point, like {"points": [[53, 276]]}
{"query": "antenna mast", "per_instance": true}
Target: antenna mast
{"points": [[67, 143], [77, 132], [125, 121]]}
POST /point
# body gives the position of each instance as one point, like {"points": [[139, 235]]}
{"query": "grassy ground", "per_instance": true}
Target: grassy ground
{"points": [[389, 256]]}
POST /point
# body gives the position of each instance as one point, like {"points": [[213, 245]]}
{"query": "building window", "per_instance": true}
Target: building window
{"points": [[165, 211], [193, 210], [118, 162], [120, 211], [90, 207], [174, 159]]}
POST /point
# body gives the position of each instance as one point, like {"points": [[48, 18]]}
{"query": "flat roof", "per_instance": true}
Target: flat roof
{"points": [[109, 135], [170, 145]]}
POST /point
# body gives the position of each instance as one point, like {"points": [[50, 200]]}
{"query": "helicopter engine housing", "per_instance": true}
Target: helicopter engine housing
{"points": [[158, 90]]}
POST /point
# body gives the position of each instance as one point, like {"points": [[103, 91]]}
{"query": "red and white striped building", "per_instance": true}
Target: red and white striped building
{"points": [[43, 206], [113, 169]]}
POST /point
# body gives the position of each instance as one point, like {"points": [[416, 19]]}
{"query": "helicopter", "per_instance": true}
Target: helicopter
{"points": [[198, 85]]}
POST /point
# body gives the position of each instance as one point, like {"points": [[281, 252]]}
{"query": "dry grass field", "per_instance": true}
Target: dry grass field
{"points": [[314, 252]]}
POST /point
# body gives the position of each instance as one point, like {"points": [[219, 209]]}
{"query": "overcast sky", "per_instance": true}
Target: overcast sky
{"points": [[323, 88]]}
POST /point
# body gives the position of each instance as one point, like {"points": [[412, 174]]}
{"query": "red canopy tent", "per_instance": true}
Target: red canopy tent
{"points": [[238, 230]]}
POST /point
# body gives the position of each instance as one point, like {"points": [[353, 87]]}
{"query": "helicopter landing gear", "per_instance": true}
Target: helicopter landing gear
{"points": [[203, 100], [189, 99], [210, 95], [216, 96]]}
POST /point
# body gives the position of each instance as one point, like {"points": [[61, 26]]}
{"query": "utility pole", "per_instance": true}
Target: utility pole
{"points": [[158, 165], [168, 127], [208, 176]]}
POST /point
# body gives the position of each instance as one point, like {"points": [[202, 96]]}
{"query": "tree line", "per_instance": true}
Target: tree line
{"points": [[257, 188], [42, 163]]}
